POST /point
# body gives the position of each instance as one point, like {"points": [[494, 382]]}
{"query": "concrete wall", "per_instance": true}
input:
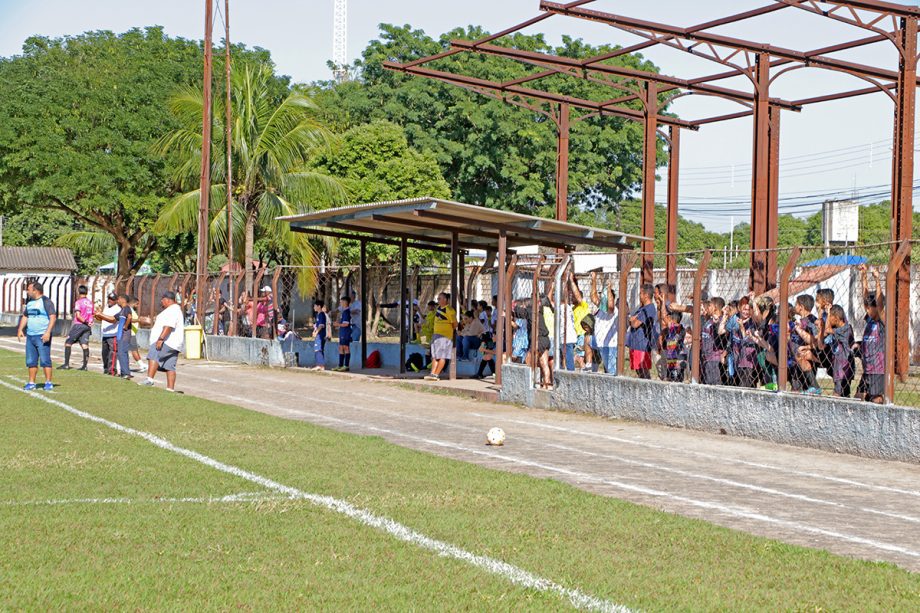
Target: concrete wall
{"points": [[839, 425]]}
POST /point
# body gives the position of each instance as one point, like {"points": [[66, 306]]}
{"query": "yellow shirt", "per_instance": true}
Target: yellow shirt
{"points": [[428, 326], [578, 313], [445, 318]]}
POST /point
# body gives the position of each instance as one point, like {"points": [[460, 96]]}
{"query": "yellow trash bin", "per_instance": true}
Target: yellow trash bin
{"points": [[194, 336]]}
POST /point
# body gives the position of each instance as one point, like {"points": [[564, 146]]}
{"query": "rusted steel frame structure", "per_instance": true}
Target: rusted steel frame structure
{"points": [[560, 115], [764, 213], [782, 355], [429, 223]]}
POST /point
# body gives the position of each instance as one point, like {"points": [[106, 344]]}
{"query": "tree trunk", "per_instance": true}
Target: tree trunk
{"points": [[249, 248], [126, 259]]}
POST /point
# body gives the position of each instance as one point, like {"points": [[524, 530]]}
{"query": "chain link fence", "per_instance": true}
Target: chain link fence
{"points": [[838, 323]]}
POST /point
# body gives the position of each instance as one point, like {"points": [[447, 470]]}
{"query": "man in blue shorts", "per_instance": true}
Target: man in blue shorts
{"points": [[36, 323]]}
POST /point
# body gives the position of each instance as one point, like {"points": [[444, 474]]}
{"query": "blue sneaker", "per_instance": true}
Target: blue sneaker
{"points": [[29, 387], [48, 386]]}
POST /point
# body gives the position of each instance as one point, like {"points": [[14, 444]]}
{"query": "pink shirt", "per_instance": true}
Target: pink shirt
{"points": [[83, 311]]}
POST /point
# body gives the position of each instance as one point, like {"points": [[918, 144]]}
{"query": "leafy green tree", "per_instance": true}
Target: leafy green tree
{"points": [[375, 162], [492, 153], [274, 138]]}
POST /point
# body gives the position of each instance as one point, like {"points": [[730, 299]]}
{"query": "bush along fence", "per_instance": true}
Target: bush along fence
{"points": [[844, 323]]}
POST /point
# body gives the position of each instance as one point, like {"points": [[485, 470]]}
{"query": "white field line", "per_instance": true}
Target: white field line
{"points": [[709, 456], [712, 506], [514, 574], [676, 450], [621, 459], [242, 497]]}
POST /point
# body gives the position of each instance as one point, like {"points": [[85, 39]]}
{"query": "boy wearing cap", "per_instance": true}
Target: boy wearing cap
{"points": [[109, 318], [81, 329], [167, 339]]}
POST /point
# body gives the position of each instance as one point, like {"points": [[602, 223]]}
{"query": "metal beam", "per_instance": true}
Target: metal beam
{"points": [[562, 164], [567, 64], [673, 203], [532, 93], [636, 26]]}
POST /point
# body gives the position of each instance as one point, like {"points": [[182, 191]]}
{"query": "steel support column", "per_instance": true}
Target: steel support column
{"points": [[402, 307], [562, 164], [773, 196], [649, 165], [760, 182], [902, 183], [501, 306], [454, 298], [673, 193], [363, 263]]}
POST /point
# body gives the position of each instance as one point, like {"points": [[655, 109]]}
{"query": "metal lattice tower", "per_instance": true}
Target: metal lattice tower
{"points": [[340, 40]]}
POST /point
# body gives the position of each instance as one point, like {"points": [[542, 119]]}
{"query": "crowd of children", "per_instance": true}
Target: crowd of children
{"points": [[739, 341]]}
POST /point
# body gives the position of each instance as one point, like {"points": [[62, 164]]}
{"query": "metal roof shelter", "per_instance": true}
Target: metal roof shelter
{"points": [[37, 259], [451, 227]]}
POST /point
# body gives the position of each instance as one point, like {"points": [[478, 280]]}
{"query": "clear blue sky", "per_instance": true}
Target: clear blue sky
{"points": [[826, 148]]}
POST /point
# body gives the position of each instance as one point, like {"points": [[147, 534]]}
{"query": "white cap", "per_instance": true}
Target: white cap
{"points": [[266, 289]]}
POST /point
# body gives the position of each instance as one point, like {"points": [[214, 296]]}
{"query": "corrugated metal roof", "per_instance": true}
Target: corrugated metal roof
{"points": [[433, 219], [36, 259]]}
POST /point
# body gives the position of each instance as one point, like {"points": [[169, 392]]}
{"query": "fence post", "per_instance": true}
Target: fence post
{"points": [[696, 320], [153, 296], [509, 300], [782, 352], [623, 310], [891, 318]]}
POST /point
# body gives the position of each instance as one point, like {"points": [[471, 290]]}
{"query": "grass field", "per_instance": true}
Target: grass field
{"points": [[91, 517]]}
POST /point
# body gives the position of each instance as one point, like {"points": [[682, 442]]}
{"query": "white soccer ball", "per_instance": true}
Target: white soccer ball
{"points": [[495, 436]]}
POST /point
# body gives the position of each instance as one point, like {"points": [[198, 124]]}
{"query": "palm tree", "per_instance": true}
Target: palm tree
{"points": [[274, 138]]}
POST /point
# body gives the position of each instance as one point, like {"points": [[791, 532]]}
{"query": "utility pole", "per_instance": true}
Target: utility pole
{"points": [[205, 188], [340, 40], [228, 139]]}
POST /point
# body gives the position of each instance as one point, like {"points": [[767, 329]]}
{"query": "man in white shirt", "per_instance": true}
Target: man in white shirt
{"points": [[606, 324], [167, 339], [109, 319]]}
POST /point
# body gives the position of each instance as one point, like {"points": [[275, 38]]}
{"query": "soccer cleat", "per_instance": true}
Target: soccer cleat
{"points": [[82, 367], [48, 386], [64, 367], [432, 378], [29, 387], [148, 382]]}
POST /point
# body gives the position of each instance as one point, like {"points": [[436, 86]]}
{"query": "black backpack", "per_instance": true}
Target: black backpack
{"points": [[416, 363]]}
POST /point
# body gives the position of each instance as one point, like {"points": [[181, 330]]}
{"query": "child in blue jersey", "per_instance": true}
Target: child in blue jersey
{"points": [[838, 343], [344, 326], [319, 334], [673, 335], [872, 347]]}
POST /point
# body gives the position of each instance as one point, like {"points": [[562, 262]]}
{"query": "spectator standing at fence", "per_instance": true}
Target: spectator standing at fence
{"points": [[824, 300], [427, 330], [167, 339], [80, 329], [108, 317], [319, 334], [673, 335], [872, 347], [520, 339], [573, 312], [606, 325], [802, 335], [344, 326], [442, 342], [710, 354], [740, 326], [838, 342], [640, 339], [356, 316], [265, 313], [36, 327]]}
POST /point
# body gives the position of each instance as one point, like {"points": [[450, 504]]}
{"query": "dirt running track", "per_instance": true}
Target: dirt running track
{"points": [[848, 505]]}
